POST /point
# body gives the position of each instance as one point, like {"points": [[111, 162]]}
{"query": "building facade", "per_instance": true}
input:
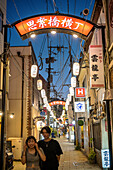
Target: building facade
{"points": [[24, 97]]}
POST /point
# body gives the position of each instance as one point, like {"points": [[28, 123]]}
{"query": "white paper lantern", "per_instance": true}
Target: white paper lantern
{"points": [[34, 69], [76, 68], [67, 101], [71, 90], [73, 81], [45, 100], [39, 84], [69, 97], [43, 93]]}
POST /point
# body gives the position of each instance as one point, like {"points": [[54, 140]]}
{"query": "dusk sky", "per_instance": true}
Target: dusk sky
{"points": [[19, 9]]}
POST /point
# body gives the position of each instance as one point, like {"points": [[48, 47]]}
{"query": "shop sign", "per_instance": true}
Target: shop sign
{"points": [[64, 23], [105, 158], [96, 66], [57, 103], [79, 106], [80, 92]]}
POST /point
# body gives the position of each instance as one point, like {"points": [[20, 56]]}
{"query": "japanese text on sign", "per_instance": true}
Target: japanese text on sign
{"points": [[96, 67], [52, 21], [105, 158]]}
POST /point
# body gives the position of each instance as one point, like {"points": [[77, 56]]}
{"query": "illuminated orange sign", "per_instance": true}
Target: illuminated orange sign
{"points": [[57, 103], [80, 92], [63, 23]]}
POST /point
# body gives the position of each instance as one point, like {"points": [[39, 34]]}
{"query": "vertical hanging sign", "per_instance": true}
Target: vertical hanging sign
{"points": [[96, 66]]}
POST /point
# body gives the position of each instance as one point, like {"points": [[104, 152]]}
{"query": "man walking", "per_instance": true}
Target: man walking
{"points": [[51, 149]]}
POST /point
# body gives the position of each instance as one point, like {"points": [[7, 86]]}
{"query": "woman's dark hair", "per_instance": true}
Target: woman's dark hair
{"points": [[48, 130], [31, 137]]}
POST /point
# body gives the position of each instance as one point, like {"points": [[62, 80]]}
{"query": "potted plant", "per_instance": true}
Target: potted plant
{"points": [[78, 147], [91, 156]]}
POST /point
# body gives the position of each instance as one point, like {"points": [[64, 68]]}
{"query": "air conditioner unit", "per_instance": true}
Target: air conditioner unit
{"points": [[17, 150]]}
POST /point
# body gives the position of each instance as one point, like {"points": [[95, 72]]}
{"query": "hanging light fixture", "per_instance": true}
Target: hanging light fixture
{"points": [[34, 69], [43, 93], [69, 97], [39, 84], [73, 81], [45, 100], [76, 68], [71, 90]]}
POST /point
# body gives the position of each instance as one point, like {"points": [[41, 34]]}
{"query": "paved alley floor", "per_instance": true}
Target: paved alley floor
{"points": [[70, 160]]}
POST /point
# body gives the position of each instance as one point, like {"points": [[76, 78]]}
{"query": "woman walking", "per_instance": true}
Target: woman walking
{"points": [[32, 154]]}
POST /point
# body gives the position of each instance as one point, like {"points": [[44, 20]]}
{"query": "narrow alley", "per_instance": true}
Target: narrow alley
{"points": [[70, 160]]}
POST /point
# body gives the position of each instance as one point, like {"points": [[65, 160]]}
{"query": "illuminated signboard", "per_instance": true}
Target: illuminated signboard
{"points": [[80, 92], [60, 22], [57, 103]]}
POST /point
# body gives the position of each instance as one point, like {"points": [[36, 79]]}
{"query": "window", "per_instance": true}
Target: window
{"points": [[1, 21]]}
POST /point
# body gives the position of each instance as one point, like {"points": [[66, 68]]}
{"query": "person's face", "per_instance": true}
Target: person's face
{"points": [[45, 134], [31, 143]]}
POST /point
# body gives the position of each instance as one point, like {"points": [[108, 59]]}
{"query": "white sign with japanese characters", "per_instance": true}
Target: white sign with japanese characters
{"points": [[96, 66], [105, 158], [79, 106]]}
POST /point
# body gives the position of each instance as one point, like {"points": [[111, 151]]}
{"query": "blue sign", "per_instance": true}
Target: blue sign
{"points": [[105, 158], [42, 113], [79, 106]]}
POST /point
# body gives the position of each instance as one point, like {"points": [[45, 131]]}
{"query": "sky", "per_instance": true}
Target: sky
{"points": [[19, 9]]}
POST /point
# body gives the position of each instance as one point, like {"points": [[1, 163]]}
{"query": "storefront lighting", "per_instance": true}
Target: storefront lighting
{"points": [[11, 115], [1, 113]]}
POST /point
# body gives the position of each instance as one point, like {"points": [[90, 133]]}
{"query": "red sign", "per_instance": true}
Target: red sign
{"points": [[57, 103], [80, 92], [46, 22]]}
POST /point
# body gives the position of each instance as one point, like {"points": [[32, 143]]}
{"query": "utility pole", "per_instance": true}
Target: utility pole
{"points": [[3, 135], [49, 61], [73, 101], [48, 86]]}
